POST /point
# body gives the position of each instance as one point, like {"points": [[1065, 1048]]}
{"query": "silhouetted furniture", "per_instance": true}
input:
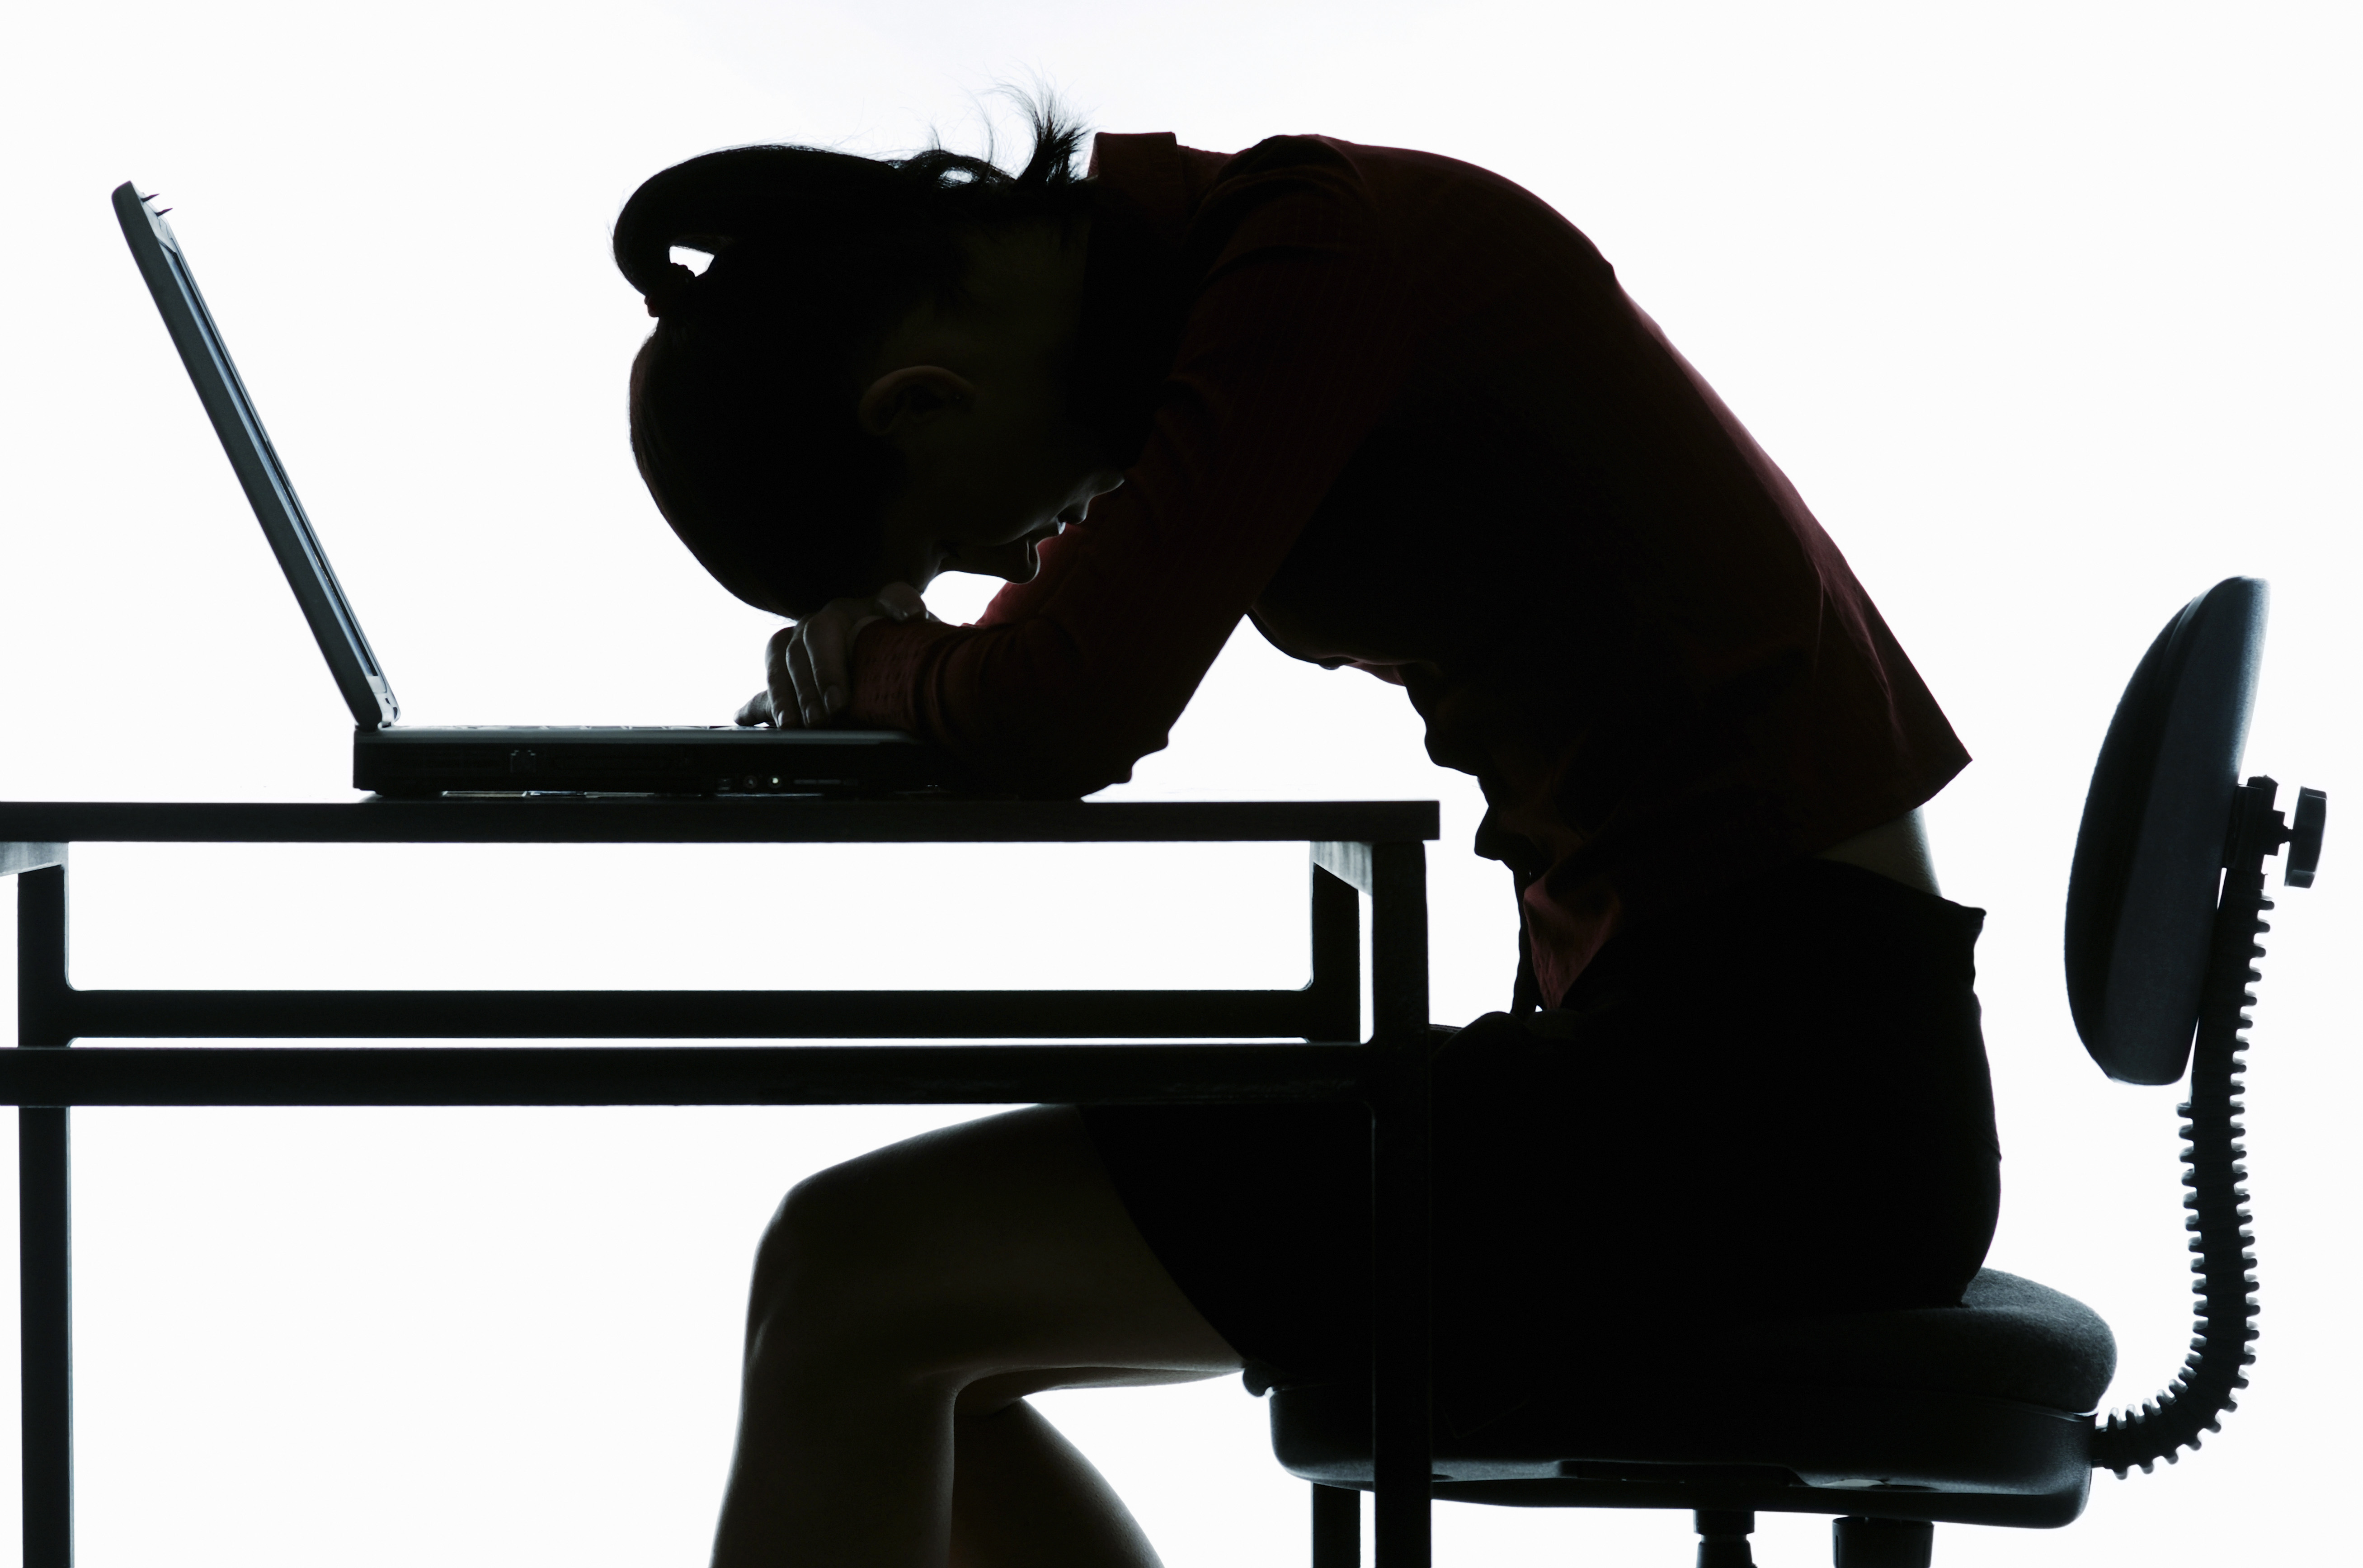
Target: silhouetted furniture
{"points": [[1979, 1413], [1377, 848]]}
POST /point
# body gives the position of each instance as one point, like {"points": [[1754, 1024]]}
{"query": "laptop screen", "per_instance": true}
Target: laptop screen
{"points": [[333, 624]]}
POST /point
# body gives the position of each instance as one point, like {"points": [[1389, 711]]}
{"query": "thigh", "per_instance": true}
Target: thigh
{"points": [[995, 1254], [1262, 1215]]}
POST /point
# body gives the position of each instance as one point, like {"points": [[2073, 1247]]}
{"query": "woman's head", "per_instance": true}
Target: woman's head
{"points": [[793, 460]]}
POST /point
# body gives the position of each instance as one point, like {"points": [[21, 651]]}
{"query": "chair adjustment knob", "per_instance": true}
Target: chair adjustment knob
{"points": [[2305, 837], [1858, 1542]]}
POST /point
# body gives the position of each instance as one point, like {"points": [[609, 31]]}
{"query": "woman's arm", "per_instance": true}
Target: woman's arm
{"points": [[1296, 342]]}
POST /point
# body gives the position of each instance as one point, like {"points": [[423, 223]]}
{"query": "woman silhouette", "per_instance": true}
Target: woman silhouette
{"points": [[1399, 413]]}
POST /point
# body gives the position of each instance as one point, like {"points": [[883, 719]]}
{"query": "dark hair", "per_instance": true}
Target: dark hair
{"points": [[743, 398]]}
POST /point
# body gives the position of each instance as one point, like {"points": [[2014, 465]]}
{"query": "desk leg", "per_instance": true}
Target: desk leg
{"points": [[1401, 1217], [47, 1367], [44, 1232]]}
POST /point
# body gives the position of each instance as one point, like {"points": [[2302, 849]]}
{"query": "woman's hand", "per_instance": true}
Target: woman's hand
{"points": [[808, 667]]}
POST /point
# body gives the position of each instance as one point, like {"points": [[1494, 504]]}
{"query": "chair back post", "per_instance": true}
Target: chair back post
{"points": [[2223, 1276]]}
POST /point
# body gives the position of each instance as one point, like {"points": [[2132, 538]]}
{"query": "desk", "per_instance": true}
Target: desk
{"points": [[1373, 848]]}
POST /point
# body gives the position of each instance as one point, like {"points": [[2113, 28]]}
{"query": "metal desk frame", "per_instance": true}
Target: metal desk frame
{"points": [[1375, 848]]}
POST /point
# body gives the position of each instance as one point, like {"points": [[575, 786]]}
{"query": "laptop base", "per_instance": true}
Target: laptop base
{"points": [[401, 760]]}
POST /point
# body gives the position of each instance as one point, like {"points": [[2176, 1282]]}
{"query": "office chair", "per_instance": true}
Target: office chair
{"points": [[1981, 1413]]}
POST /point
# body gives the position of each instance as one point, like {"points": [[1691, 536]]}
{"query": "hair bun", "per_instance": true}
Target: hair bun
{"points": [[668, 291]]}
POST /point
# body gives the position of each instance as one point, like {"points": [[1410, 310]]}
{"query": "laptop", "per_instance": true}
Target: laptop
{"points": [[393, 759]]}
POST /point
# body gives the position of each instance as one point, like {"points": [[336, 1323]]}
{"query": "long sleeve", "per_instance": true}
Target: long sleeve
{"points": [[1409, 418], [1292, 347]]}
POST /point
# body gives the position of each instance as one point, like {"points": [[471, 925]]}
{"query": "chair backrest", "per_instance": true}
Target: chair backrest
{"points": [[2149, 856]]}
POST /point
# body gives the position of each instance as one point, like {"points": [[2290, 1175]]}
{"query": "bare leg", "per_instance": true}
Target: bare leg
{"points": [[1024, 1497], [922, 1291]]}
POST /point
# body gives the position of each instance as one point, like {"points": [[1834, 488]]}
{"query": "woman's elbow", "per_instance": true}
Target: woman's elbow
{"points": [[1071, 764]]}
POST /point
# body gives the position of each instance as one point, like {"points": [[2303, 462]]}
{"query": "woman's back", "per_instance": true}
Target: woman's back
{"points": [[1400, 411]]}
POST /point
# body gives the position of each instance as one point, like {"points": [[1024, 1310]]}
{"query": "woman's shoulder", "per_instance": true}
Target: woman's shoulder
{"points": [[1415, 200], [1158, 162], [1185, 191]]}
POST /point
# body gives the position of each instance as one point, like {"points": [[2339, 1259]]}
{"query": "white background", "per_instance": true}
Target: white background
{"points": [[2049, 309]]}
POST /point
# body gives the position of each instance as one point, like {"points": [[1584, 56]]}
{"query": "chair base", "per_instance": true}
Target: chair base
{"points": [[1855, 1540], [1873, 1453], [1769, 1492]]}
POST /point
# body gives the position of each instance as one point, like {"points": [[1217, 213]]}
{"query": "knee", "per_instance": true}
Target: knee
{"points": [[822, 1271]]}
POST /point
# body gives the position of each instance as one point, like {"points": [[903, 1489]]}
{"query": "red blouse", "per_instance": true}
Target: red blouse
{"points": [[1399, 411]]}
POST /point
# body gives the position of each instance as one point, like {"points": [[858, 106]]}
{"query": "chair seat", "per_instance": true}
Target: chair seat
{"points": [[1975, 1412]]}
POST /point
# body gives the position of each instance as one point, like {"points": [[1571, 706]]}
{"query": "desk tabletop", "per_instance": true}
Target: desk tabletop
{"points": [[722, 819]]}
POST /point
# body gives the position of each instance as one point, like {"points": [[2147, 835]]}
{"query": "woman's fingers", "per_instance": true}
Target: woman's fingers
{"points": [[755, 710], [779, 689], [787, 675], [827, 637], [808, 667], [802, 690]]}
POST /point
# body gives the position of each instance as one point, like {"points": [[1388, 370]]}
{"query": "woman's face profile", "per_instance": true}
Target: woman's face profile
{"points": [[976, 401], [993, 466]]}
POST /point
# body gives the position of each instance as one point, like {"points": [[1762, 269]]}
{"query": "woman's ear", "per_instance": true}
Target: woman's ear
{"points": [[900, 402]]}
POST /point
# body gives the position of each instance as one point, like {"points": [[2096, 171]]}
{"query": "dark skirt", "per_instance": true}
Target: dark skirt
{"points": [[1771, 1104]]}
